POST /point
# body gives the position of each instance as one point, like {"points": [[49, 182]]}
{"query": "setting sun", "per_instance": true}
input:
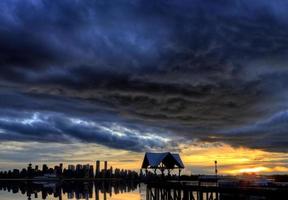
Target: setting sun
{"points": [[233, 161], [251, 170]]}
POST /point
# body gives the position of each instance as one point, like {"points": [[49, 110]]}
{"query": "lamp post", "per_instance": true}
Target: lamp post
{"points": [[216, 168]]}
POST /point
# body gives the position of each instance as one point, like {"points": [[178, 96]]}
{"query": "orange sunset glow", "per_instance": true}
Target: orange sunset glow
{"points": [[196, 158]]}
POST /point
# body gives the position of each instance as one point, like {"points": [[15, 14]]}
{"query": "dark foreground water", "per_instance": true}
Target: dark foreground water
{"points": [[72, 190], [22, 190]]}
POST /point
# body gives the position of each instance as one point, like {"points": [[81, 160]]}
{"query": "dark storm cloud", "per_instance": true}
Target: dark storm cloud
{"points": [[197, 68], [28, 118], [269, 134], [60, 128]]}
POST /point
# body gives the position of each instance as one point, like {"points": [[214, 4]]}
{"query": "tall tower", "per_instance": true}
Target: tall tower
{"points": [[97, 173], [111, 172], [216, 168], [61, 168], [105, 168]]}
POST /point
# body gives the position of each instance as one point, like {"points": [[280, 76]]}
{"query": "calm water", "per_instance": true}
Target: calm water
{"points": [[73, 191], [106, 191]]}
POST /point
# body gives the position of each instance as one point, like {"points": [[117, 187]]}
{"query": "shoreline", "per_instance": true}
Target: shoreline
{"points": [[68, 179]]}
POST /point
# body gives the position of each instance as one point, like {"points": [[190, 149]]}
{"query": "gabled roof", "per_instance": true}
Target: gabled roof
{"points": [[169, 160], [178, 159]]}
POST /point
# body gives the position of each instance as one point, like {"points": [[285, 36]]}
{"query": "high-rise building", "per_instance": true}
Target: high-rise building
{"points": [[79, 167], [105, 165], [97, 173], [61, 167], [105, 168], [45, 169], [86, 169], [111, 172], [71, 167], [91, 171], [29, 167], [29, 170]]}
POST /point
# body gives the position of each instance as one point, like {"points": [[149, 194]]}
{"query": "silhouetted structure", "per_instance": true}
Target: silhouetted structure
{"points": [[58, 172], [181, 191], [97, 173], [162, 161], [105, 168]]}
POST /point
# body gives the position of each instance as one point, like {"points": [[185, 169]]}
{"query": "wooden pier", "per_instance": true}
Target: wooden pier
{"points": [[182, 191]]}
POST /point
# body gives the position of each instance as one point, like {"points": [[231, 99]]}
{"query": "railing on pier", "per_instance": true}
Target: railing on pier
{"points": [[163, 192], [180, 191]]}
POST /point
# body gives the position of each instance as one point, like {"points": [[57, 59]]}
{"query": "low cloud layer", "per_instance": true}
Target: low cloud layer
{"points": [[41, 125], [137, 74]]}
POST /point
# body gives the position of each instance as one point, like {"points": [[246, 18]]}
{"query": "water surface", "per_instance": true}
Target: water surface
{"points": [[118, 190], [73, 191]]}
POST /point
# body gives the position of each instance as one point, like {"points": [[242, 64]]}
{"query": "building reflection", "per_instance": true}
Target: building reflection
{"points": [[101, 190]]}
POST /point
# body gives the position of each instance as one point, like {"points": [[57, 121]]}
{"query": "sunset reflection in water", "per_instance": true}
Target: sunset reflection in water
{"points": [[87, 191]]}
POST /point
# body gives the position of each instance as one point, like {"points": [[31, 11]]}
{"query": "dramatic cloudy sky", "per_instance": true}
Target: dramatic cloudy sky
{"points": [[88, 79]]}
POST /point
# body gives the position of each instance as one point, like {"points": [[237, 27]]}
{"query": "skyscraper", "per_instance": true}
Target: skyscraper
{"points": [[71, 167], [105, 168], [97, 173]]}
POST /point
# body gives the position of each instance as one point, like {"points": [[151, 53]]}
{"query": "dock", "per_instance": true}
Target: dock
{"points": [[185, 191]]}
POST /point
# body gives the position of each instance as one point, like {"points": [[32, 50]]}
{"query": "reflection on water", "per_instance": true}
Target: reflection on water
{"points": [[123, 190], [71, 190]]}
